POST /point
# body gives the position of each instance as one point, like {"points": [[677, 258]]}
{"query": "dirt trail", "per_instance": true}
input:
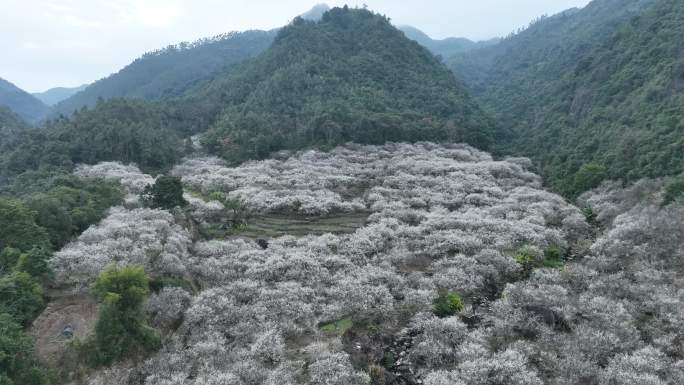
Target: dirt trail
{"points": [[64, 311]]}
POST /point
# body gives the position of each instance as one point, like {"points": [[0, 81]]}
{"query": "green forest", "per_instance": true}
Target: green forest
{"points": [[350, 77], [593, 89]]}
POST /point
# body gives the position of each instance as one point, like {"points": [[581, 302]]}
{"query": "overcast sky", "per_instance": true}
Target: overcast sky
{"points": [[50, 43]]}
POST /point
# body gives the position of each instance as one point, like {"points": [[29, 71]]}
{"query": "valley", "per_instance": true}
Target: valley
{"points": [[340, 201]]}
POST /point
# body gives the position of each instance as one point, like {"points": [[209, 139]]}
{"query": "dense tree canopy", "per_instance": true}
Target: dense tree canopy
{"points": [[600, 85], [127, 130], [350, 77]]}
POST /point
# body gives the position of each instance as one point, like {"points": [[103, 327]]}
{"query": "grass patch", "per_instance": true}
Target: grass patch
{"points": [[338, 327]]}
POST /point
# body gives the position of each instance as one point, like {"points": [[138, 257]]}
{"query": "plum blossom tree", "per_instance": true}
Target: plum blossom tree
{"points": [[440, 217]]}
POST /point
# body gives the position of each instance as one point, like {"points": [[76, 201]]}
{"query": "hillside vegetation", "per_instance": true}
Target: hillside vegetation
{"points": [[169, 72], [119, 129], [350, 77], [598, 88]]}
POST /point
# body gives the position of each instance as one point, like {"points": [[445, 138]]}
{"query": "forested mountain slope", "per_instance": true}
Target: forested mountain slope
{"points": [[170, 71], [350, 77], [21, 102], [125, 130], [590, 94]]}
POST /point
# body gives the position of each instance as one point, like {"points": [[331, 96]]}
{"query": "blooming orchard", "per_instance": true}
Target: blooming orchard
{"points": [[439, 218]]}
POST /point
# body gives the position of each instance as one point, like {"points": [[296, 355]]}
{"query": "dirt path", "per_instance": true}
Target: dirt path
{"points": [[77, 312]]}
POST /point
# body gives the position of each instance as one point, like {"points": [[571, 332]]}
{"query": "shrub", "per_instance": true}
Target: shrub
{"points": [[447, 304], [530, 258], [389, 360], [553, 257]]}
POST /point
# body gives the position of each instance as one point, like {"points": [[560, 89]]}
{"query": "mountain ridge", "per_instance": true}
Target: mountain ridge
{"points": [[57, 94], [447, 47], [170, 71], [21, 102]]}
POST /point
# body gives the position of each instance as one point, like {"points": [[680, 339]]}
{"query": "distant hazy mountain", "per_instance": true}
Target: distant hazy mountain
{"points": [[316, 13], [170, 71], [446, 47], [57, 94], [21, 102]]}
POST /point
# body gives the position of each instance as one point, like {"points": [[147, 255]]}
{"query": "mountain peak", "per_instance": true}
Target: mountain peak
{"points": [[316, 13], [337, 81]]}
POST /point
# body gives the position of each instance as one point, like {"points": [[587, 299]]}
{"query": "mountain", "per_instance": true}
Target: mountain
{"points": [[316, 13], [590, 93], [170, 71], [446, 47], [21, 102], [350, 77], [57, 94]]}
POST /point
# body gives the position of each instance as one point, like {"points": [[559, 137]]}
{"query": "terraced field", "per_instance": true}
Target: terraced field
{"points": [[276, 225]]}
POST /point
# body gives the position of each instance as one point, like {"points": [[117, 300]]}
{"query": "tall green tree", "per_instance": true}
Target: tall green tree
{"points": [[121, 327], [165, 193]]}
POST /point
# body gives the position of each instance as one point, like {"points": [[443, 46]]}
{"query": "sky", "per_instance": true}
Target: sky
{"points": [[66, 43]]}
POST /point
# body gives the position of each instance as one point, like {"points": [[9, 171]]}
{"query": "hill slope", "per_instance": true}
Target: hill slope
{"points": [[57, 94], [21, 102], [350, 77], [590, 93], [171, 71]]}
